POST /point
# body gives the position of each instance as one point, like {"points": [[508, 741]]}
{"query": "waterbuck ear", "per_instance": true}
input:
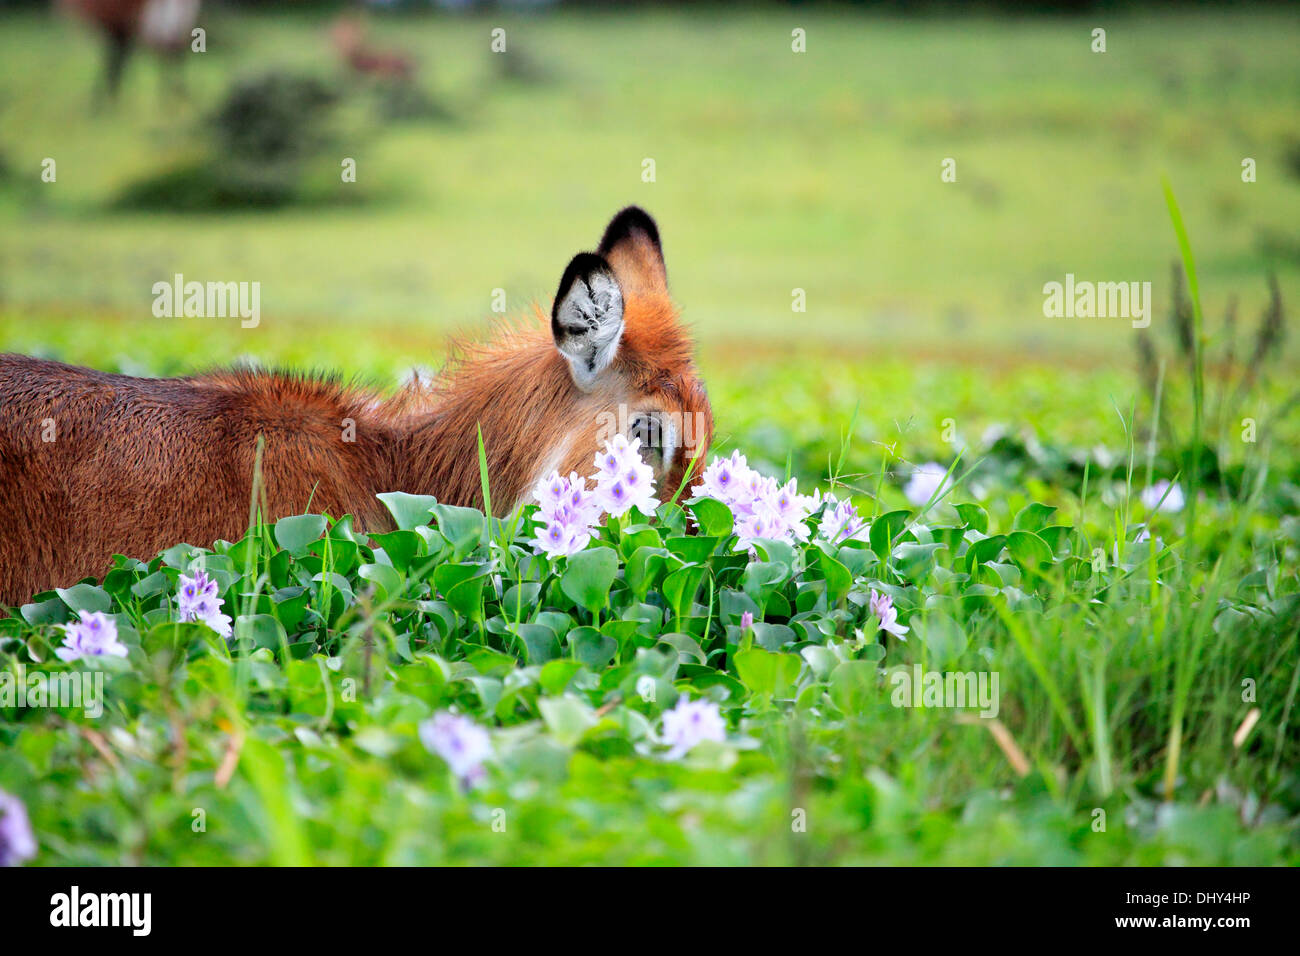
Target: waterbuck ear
{"points": [[631, 246], [587, 317]]}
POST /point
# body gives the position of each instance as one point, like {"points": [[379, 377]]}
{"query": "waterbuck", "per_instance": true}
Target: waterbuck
{"points": [[93, 464]]}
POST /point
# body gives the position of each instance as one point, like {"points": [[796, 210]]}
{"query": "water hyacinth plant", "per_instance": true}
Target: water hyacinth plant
{"points": [[94, 635], [569, 512], [646, 656], [197, 600]]}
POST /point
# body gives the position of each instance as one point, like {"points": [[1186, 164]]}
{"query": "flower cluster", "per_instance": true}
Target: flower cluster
{"points": [[764, 508], [570, 511], [459, 741], [197, 601], [690, 723], [17, 842], [840, 521], [95, 635]]}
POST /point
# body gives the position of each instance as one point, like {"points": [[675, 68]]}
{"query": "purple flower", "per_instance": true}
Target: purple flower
{"points": [[759, 522], [551, 492], [562, 535], [17, 842], [746, 620], [882, 606], [95, 635], [195, 590], [197, 600], [925, 483], [723, 478], [623, 480], [840, 521], [692, 722], [761, 508], [459, 741], [616, 456], [568, 513], [1173, 501]]}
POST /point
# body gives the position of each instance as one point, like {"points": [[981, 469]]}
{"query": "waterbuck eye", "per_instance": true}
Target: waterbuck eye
{"points": [[657, 439]]}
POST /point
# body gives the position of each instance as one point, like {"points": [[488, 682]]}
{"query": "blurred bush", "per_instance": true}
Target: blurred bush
{"points": [[255, 148]]}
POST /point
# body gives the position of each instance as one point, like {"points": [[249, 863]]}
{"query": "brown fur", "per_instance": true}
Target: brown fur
{"points": [[137, 465]]}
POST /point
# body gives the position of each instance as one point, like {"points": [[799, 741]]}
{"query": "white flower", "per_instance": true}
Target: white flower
{"points": [[463, 744], [925, 483], [692, 722], [1173, 502]]}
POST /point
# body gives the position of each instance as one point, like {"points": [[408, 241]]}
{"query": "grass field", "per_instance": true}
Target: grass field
{"points": [[1147, 696]]}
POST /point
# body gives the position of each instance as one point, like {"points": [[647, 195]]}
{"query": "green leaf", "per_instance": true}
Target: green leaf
{"points": [[401, 547], [557, 674], [973, 516], [262, 630], [85, 597], [714, 518], [766, 674], [852, 685], [985, 549], [773, 637], [838, 578], [643, 570], [761, 579], [1033, 517], [52, 611], [591, 647], [681, 587], [462, 527], [589, 577], [409, 511], [466, 597], [1029, 550], [294, 534], [387, 582], [567, 718], [943, 636], [885, 528], [915, 561], [540, 643], [821, 659], [687, 648], [693, 549]]}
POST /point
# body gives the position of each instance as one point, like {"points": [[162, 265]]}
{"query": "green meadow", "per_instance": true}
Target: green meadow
{"points": [[856, 316]]}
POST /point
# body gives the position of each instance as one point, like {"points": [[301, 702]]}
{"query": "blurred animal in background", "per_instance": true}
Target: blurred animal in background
{"points": [[164, 26], [349, 36]]}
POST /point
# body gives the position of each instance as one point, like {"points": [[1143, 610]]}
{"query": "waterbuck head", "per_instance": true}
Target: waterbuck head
{"points": [[628, 357], [615, 359]]}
